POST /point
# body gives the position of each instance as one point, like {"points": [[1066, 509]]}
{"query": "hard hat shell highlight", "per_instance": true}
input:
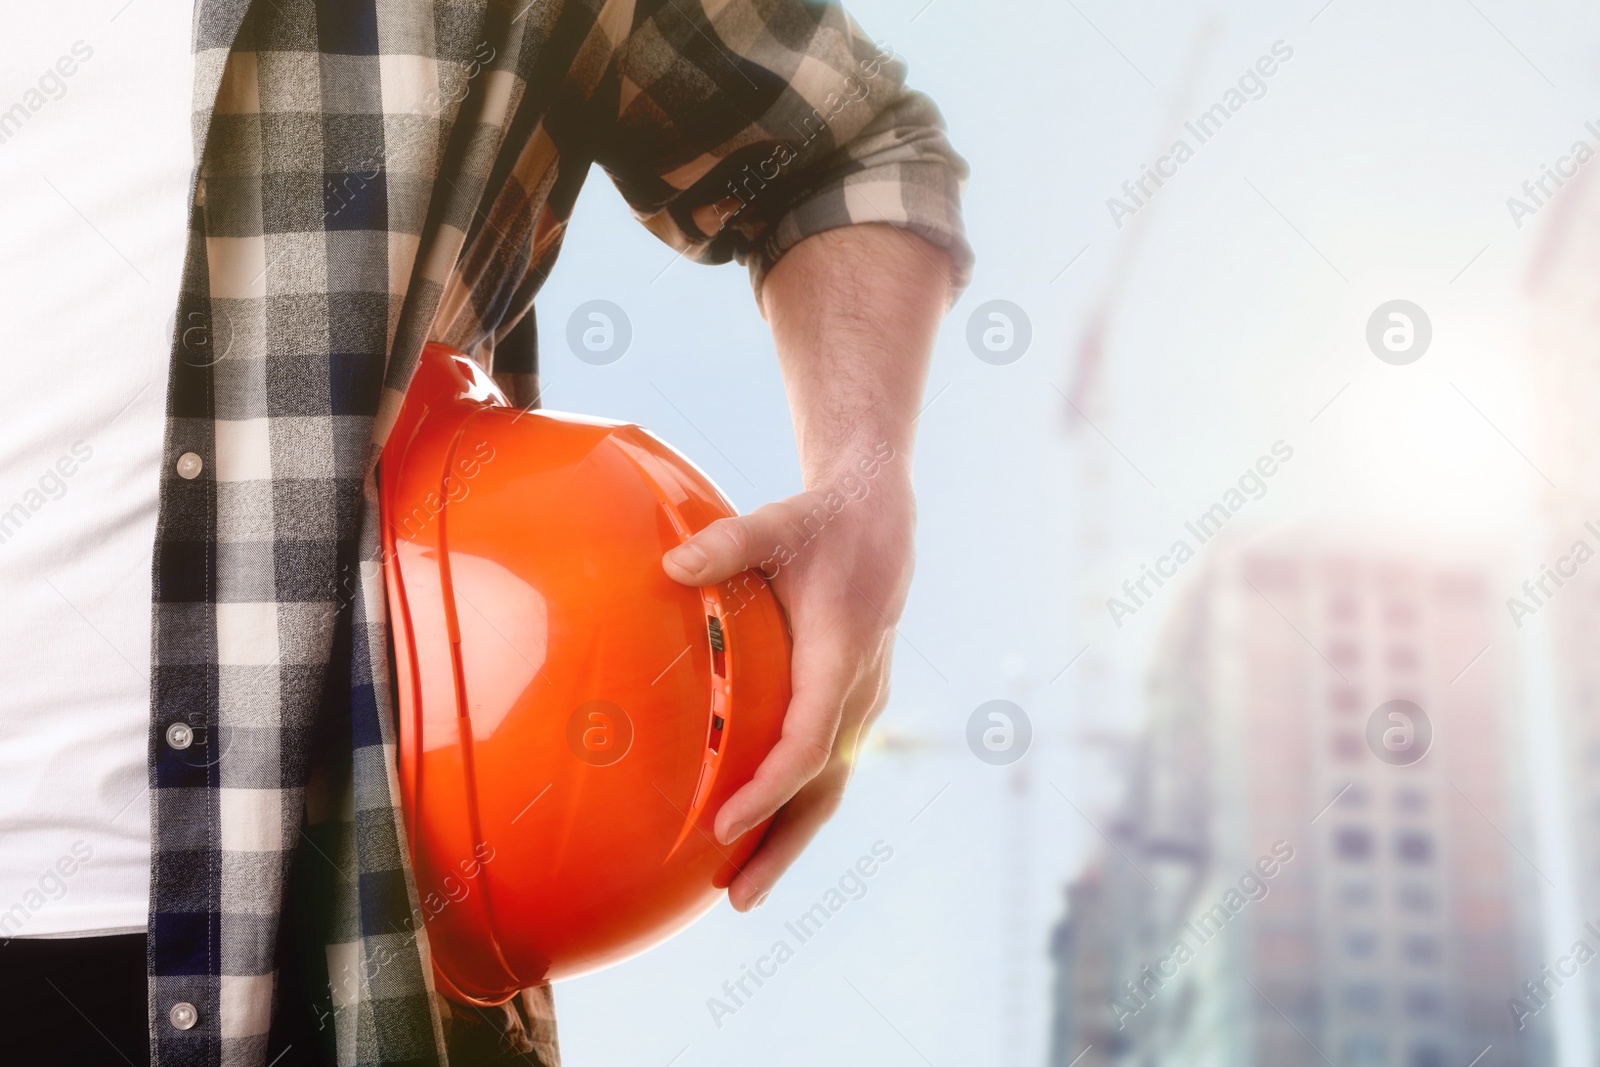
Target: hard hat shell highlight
{"points": [[570, 718]]}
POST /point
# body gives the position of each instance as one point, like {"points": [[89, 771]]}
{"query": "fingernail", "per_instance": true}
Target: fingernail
{"points": [[758, 901], [689, 557], [735, 832]]}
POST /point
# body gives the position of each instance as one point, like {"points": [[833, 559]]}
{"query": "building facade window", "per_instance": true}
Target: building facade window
{"points": [[1414, 847], [1353, 843], [1360, 944], [1349, 747], [1365, 998], [1417, 898], [1421, 950], [1422, 1003], [1426, 1055], [1365, 1050]]}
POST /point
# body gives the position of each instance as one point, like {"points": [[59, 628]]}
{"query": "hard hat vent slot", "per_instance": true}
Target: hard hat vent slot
{"points": [[719, 664]]}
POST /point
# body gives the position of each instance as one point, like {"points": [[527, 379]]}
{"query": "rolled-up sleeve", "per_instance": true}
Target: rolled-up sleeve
{"points": [[744, 127]]}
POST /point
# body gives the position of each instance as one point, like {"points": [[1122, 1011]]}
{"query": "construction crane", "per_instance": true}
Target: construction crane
{"points": [[1087, 404]]}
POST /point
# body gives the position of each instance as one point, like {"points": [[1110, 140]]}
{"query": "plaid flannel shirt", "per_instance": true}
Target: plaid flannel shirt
{"points": [[374, 174]]}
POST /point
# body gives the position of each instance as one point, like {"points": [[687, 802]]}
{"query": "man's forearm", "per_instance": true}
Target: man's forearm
{"points": [[854, 312]]}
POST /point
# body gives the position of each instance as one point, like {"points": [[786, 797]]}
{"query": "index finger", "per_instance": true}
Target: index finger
{"points": [[823, 674]]}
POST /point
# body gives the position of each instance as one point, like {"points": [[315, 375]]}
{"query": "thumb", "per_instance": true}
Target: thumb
{"points": [[725, 548]]}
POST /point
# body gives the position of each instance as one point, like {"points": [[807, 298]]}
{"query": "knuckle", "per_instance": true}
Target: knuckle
{"points": [[792, 511], [736, 532], [812, 757]]}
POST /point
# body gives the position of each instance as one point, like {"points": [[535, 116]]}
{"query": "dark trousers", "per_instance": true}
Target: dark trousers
{"points": [[81, 1001], [77, 1000]]}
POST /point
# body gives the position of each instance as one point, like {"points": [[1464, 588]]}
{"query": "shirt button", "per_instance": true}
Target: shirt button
{"points": [[189, 466], [180, 736], [183, 1016]]}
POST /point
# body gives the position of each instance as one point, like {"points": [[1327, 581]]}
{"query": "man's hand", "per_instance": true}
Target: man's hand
{"points": [[853, 312]]}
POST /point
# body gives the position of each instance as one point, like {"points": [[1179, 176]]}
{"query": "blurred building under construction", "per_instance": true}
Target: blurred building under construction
{"points": [[1405, 917]]}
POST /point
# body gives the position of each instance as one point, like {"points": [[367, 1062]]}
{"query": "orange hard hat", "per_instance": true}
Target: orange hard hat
{"points": [[571, 719]]}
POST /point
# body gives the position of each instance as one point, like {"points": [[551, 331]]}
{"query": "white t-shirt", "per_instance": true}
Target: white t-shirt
{"points": [[95, 157]]}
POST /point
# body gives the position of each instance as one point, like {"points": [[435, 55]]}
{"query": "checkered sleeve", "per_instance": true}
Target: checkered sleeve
{"points": [[741, 133]]}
